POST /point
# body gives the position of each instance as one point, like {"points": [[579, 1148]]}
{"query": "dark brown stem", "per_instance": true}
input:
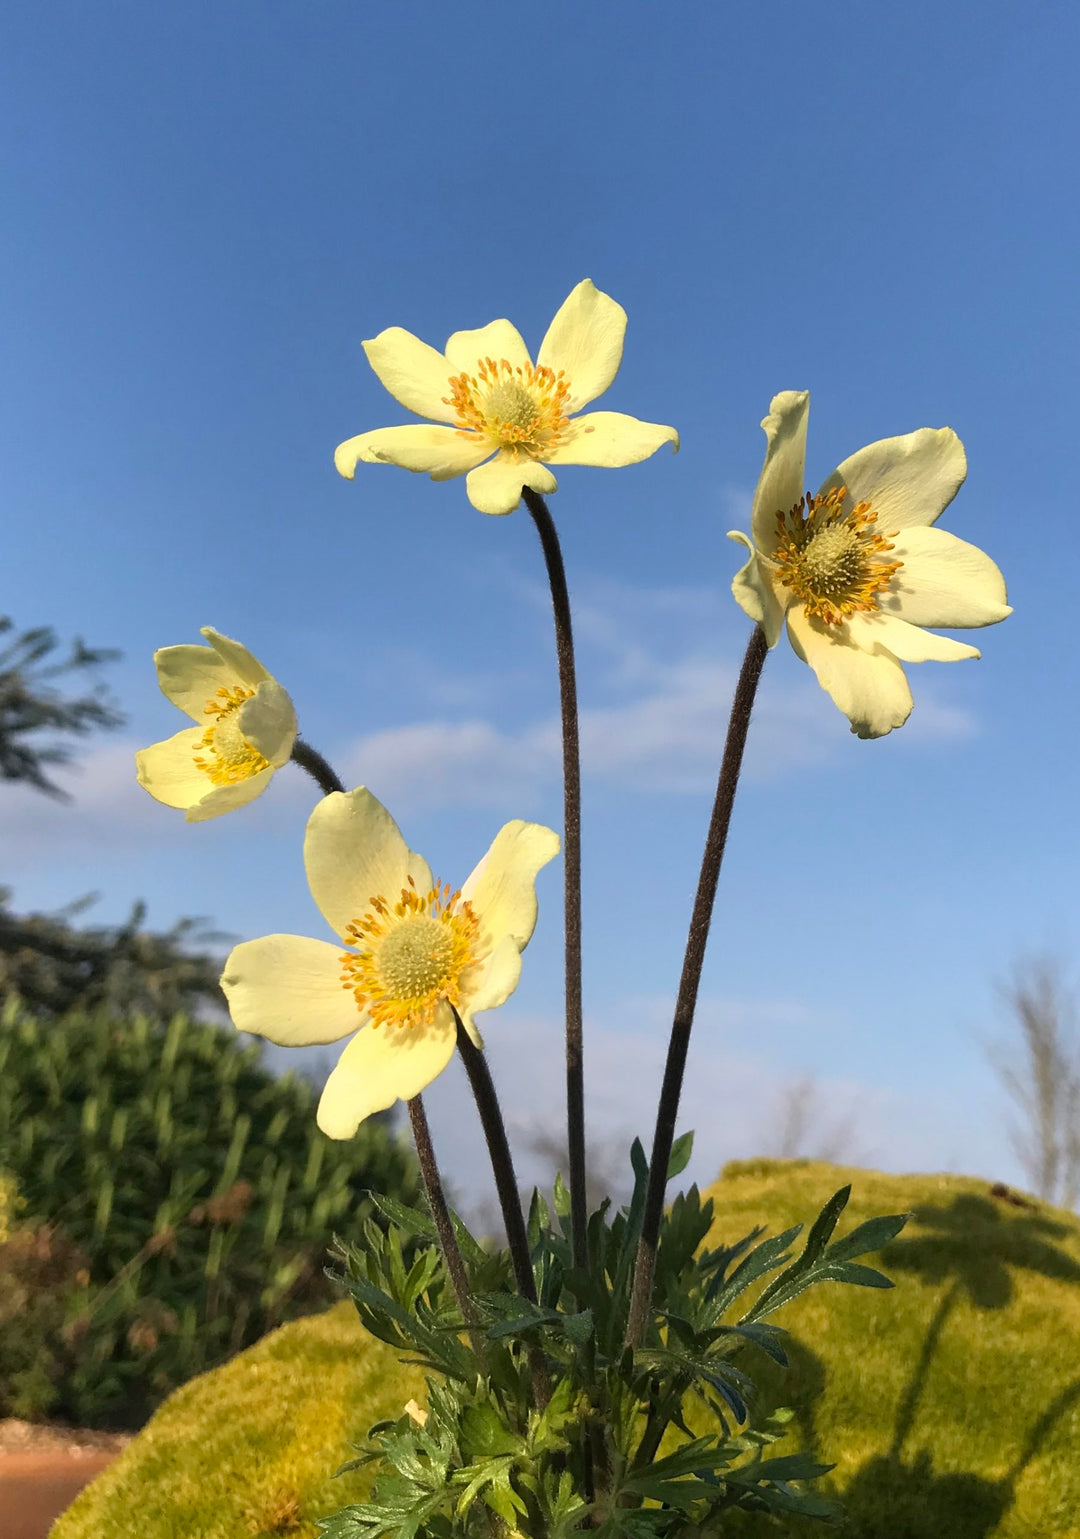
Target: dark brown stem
{"points": [[491, 1120], [316, 766], [575, 1081], [645, 1263], [487, 1104], [429, 1171]]}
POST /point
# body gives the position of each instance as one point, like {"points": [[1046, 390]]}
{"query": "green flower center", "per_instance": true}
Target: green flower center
{"points": [[415, 957], [410, 956]]}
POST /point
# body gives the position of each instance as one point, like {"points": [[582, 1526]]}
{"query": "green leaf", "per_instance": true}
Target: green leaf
{"points": [[577, 1327], [868, 1236], [679, 1158], [819, 1236], [410, 1220], [483, 1432], [768, 1254], [763, 1336]]}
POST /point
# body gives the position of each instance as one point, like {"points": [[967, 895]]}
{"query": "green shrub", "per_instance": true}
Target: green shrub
{"points": [[973, 1360], [194, 1182], [42, 1279]]}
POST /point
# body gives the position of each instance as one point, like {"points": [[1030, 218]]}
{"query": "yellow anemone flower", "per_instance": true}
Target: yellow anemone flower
{"points": [[415, 950], [246, 729], [856, 570], [498, 402]]}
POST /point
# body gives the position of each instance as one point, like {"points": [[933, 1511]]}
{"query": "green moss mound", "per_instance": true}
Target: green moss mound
{"points": [[248, 1450], [950, 1405]]}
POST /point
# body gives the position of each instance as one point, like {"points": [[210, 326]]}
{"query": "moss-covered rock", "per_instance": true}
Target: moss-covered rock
{"points": [[950, 1405], [250, 1449]]}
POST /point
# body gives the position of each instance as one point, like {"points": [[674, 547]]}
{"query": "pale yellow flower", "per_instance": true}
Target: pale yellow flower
{"points": [[246, 729], [498, 402], [857, 570], [415, 950]]}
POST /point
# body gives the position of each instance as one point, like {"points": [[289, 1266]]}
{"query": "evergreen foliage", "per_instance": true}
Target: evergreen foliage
{"points": [[54, 966], [35, 715], [196, 1187]]}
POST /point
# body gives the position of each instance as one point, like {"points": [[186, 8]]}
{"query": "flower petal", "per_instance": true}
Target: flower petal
{"points": [[585, 341], [288, 989], [498, 340], [910, 643], [414, 373], [169, 772], [944, 581], [245, 667], [221, 799], [496, 486], [190, 676], [440, 451], [869, 687], [502, 888], [611, 438], [496, 979], [754, 593], [268, 721], [353, 852], [782, 481], [909, 481], [382, 1065]]}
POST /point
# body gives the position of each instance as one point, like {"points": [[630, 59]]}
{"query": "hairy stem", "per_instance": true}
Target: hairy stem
{"points": [[679, 1042], [575, 1082], [502, 1164], [491, 1119], [429, 1171], [317, 767]]}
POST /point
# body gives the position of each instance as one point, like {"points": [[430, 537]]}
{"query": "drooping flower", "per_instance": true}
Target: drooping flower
{"points": [[496, 401], [246, 728], [415, 949], [857, 570]]}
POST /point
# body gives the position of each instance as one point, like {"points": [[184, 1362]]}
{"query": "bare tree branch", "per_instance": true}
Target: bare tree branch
{"points": [[799, 1112], [1041, 1075]]}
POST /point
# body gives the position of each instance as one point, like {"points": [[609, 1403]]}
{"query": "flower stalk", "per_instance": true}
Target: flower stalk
{"points": [[575, 1080], [317, 767], [686, 1000], [502, 1163], [440, 1212]]}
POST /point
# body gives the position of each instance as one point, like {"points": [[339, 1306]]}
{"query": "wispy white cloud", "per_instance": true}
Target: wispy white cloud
{"points": [[654, 724], [730, 1097]]}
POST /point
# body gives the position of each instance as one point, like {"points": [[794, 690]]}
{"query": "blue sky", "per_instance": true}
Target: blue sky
{"points": [[209, 207]]}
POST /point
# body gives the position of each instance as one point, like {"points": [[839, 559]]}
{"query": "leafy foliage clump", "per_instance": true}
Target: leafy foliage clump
{"points": [[196, 1187], [540, 1414], [54, 966], [32, 708]]}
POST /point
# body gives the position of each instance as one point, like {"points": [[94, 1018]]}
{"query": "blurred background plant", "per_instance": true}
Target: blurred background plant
{"points": [[36, 716], [165, 1199], [179, 1203]]}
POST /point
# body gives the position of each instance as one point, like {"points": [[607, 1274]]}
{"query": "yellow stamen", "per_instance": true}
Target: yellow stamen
{"points": [[410, 956], [828, 558], [233, 758], [518, 407]]}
